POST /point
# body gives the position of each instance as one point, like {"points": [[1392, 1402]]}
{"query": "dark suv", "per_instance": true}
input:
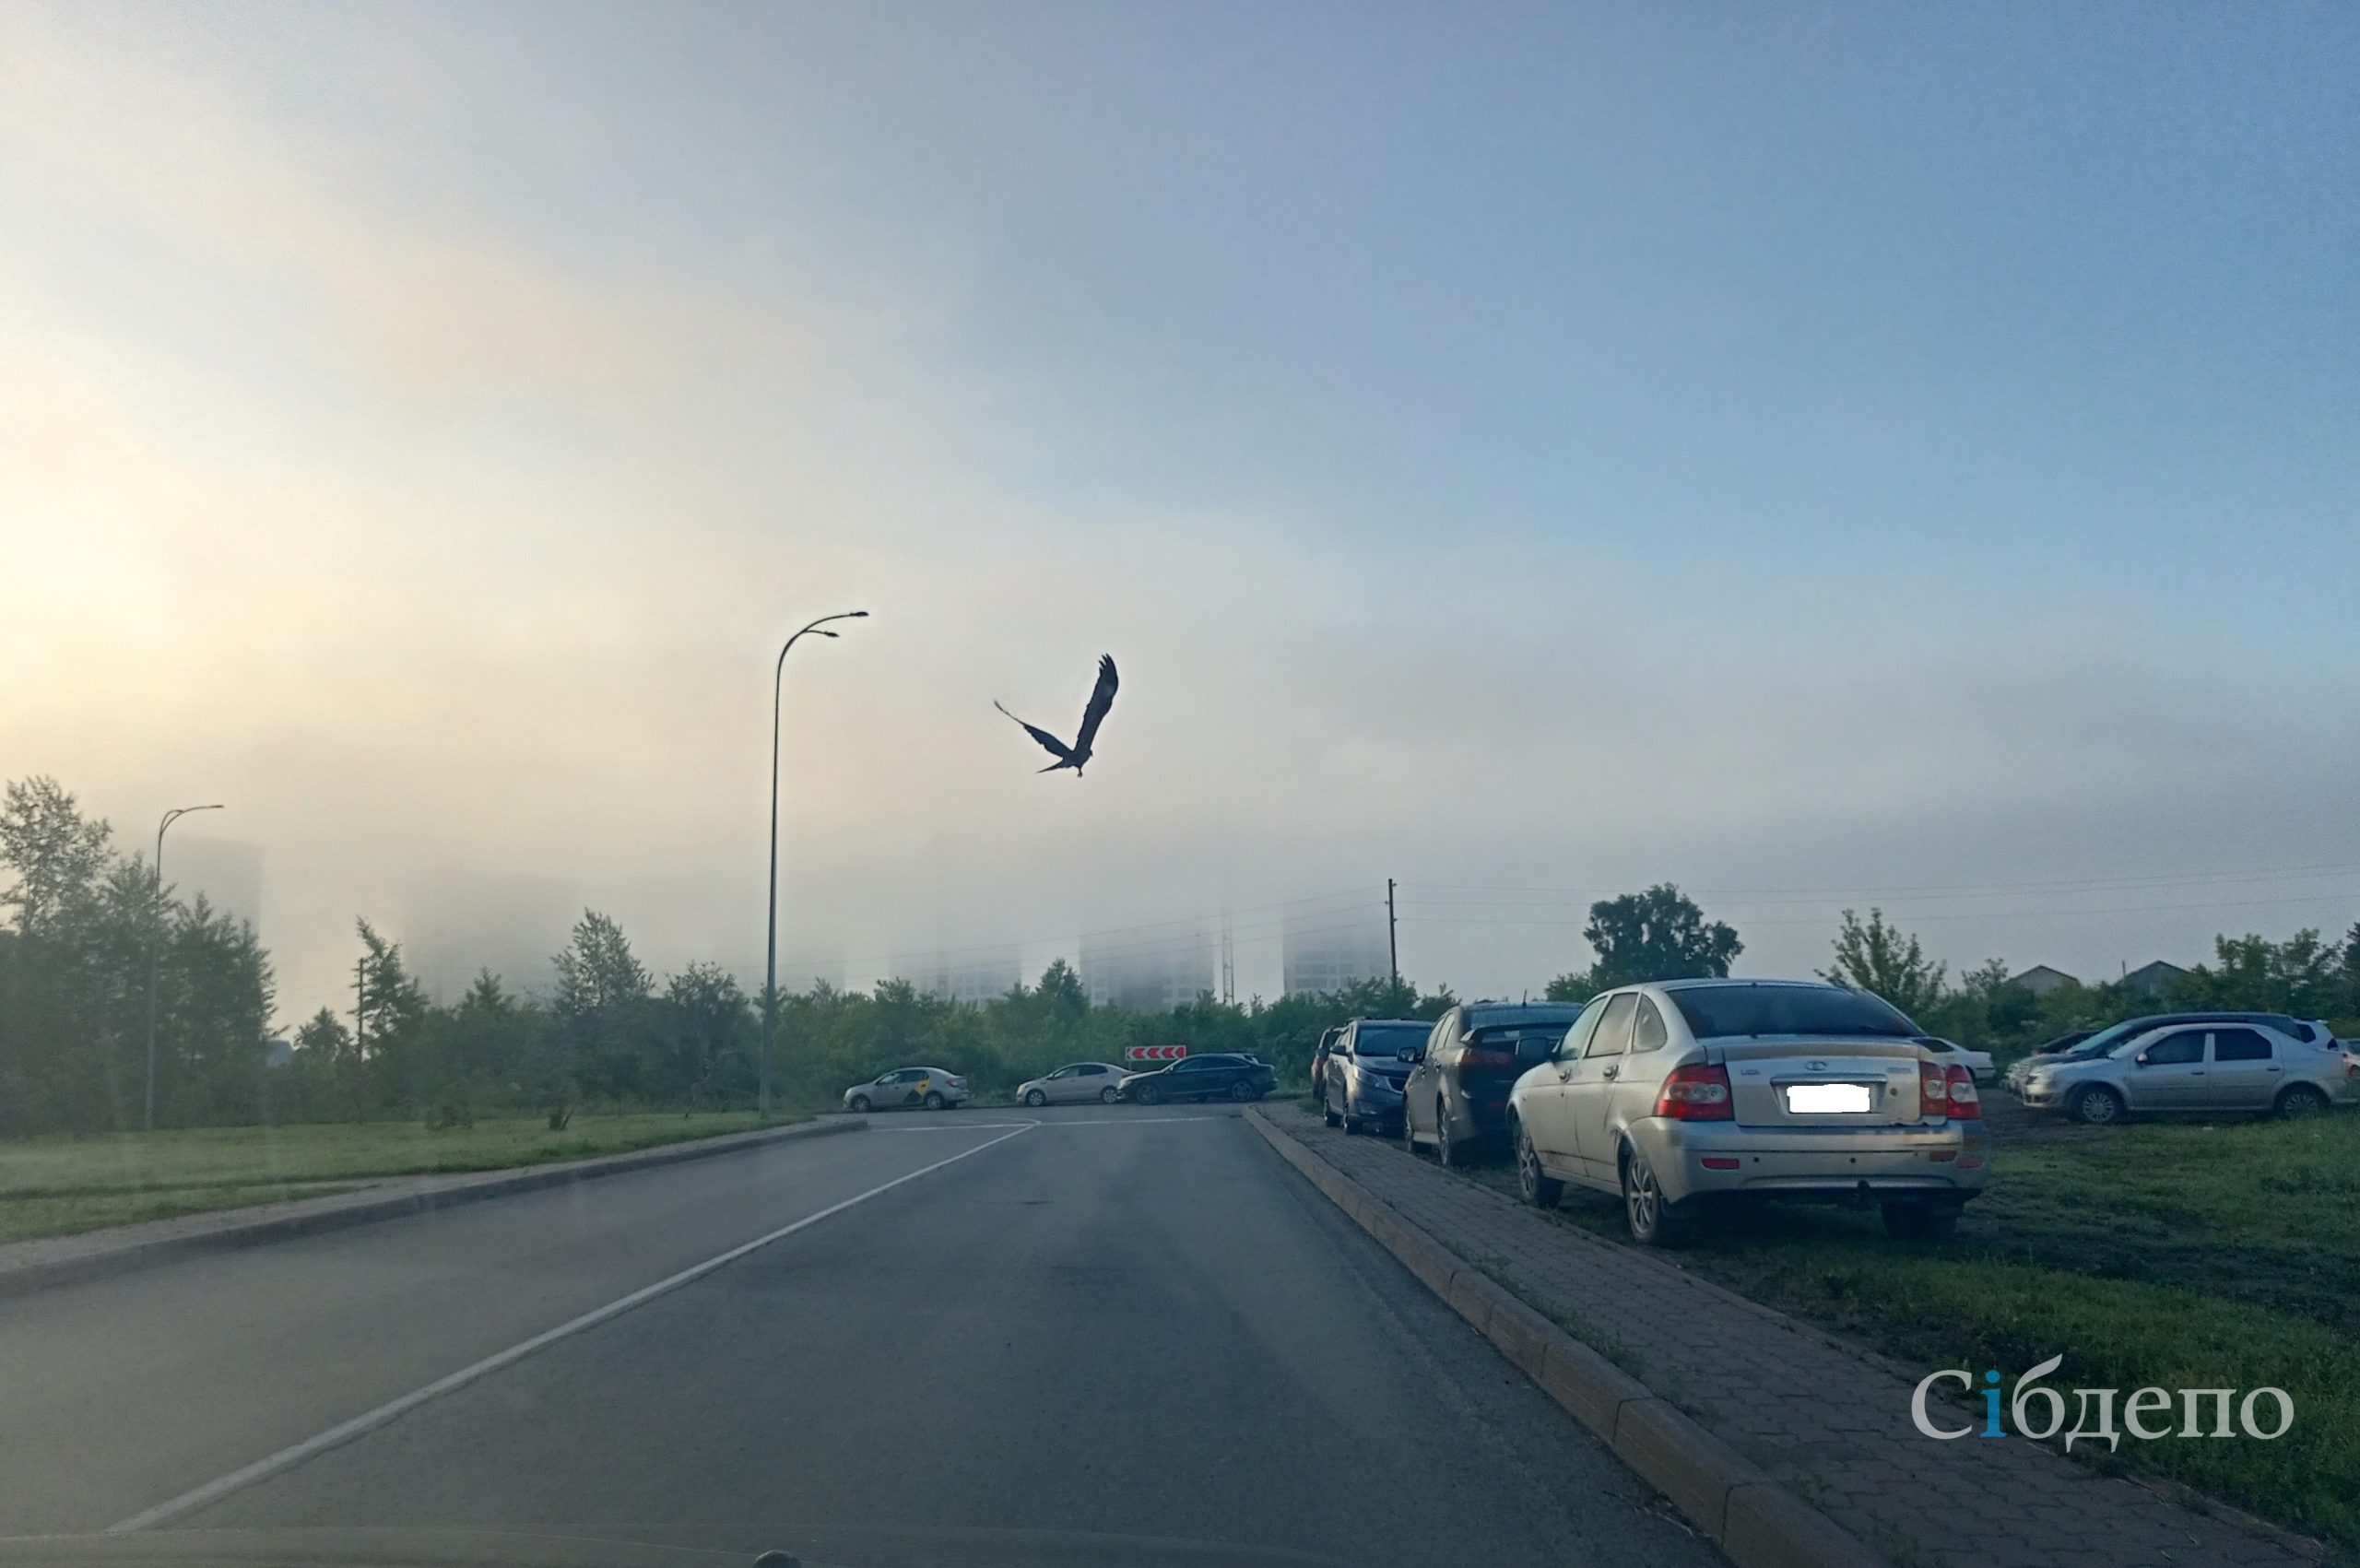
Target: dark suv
{"points": [[1457, 1098], [1201, 1077]]}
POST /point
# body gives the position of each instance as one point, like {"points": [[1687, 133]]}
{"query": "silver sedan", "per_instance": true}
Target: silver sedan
{"points": [[1072, 1083], [1699, 1091], [2185, 1068]]}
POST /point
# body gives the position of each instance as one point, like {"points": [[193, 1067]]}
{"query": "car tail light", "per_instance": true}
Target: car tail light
{"points": [[1965, 1103], [1933, 1092], [1698, 1092], [1473, 1057], [1719, 1162]]}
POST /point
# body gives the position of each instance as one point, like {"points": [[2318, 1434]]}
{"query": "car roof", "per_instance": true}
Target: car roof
{"points": [[1708, 982], [1544, 1012], [1412, 1022]]}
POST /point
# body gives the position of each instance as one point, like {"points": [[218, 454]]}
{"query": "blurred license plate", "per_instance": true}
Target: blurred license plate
{"points": [[1829, 1099]]}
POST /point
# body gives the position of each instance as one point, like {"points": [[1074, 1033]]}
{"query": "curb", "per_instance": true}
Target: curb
{"points": [[343, 1210], [1730, 1500]]}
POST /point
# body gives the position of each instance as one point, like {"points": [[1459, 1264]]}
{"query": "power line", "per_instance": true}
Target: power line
{"points": [[2337, 869]]}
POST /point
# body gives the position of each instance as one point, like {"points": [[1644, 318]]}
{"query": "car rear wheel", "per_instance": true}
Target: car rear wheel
{"points": [[2097, 1105], [1920, 1222], [1532, 1184], [1653, 1221], [1107, 1096], [1327, 1113], [860, 1103], [2300, 1099], [1035, 1099], [1449, 1150], [934, 1100]]}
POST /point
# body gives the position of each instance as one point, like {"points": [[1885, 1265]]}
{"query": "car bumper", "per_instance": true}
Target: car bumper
{"points": [[1376, 1104], [1949, 1161]]}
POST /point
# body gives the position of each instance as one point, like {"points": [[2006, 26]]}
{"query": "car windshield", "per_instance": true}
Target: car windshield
{"points": [[580, 580], [1715, 1012]]}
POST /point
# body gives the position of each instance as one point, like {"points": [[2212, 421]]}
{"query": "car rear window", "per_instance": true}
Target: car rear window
{"points": [[1719, 1012]]}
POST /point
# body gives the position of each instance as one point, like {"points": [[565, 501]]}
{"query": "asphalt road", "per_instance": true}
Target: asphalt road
{"points": [[1124, 1322]]}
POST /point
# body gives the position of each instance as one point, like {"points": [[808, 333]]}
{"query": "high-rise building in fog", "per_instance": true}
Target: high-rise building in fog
{"points": [[968, 978], [1147, 975], [1320, 955], [227, 871], [455, 926]]}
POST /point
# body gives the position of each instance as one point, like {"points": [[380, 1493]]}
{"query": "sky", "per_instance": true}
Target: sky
{"points": [[1822, 457]]}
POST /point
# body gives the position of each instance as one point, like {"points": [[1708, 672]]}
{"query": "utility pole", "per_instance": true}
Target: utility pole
{"points": [[1228, 960], [155, 935], [360, 1008], [1392, 935]]}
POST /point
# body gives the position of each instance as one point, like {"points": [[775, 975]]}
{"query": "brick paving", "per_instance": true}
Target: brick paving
{"points": [[1828, 1419]]}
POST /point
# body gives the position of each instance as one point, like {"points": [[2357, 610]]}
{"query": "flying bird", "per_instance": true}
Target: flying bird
{"points": [[1079, 753]]}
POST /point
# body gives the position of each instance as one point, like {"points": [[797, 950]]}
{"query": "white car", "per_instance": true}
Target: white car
{"points": [[1073, 1082], [1976, 1062], [909, 1089]]}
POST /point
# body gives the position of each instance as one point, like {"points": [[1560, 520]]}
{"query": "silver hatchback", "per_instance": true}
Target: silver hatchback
{"points": [[1694, 1092], [2192, 1068]]}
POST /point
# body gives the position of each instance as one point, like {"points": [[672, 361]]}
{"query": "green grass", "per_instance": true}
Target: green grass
{"points": [[2172, 1256], [53, 1187]]}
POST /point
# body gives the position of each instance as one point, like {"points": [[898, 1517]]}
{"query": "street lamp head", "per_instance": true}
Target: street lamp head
{"points": [[827, 634], [858, 615]]}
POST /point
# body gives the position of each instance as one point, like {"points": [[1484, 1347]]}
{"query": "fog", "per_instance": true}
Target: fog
{"points": [[448, 541]]}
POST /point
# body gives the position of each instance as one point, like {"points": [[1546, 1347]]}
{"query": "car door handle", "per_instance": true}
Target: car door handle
{"points": [[1565, 1075], [1609, 1072], [2273, 1069]]}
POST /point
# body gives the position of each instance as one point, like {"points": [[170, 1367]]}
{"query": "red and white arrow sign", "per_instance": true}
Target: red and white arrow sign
{"points": [[1154, 1052]]}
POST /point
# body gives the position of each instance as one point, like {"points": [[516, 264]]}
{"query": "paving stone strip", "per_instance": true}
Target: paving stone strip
{"points": [[1827, 1421]]}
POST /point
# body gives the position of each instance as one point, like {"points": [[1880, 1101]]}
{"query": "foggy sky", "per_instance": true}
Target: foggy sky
{"points": [[1879, 457]]}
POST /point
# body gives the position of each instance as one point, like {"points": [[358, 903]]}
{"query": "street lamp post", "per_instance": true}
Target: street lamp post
{"points": [[155, 923], [770, 969]]}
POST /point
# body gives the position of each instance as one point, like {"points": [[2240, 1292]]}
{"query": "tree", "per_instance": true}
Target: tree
{"points": [[57, 854], [1656, 935], [706, 1028], [1882, 960], [392, 1009], [2300, 975], [602, 1016], [1060, 992]]}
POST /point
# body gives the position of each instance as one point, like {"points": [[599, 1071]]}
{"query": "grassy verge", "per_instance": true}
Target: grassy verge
{"points": [[2172, 1256], [54, 1186]]}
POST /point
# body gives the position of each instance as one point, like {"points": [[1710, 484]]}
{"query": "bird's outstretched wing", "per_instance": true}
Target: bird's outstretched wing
{"points": [[1050, 743], [1100, 701]]}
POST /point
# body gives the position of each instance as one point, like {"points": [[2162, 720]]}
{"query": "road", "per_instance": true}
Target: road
{"points": [[1103, 1319]]}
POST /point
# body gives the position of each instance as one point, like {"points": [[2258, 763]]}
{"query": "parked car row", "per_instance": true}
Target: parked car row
{"points": [[1683, 1097], [1211, 1077]]}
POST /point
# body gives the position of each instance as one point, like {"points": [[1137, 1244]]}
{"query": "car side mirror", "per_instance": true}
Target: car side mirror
{"points": [[2142, 1058]]}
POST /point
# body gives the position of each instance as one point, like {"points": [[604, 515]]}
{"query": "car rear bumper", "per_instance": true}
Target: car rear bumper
{"points": [[1947, 1161]]}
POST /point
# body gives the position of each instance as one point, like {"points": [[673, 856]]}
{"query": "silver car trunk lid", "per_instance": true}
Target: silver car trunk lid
{"points": [[1790, 1083]]}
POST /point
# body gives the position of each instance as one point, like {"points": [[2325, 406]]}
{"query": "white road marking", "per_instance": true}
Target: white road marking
{"points": [[360, 1425], [1060, 1122]]}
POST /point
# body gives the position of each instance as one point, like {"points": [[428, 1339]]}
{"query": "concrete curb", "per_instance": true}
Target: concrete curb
{"points": [[310, 1217], [1733, 1503]]}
